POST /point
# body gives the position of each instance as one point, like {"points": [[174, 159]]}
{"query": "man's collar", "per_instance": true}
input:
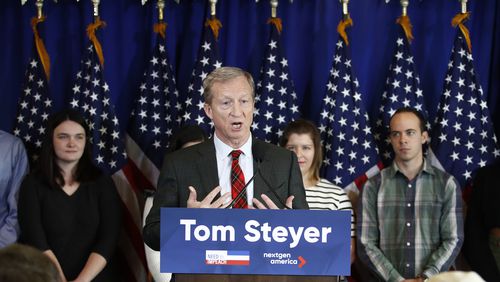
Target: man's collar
{"points": [[426, 167], [224, 150]]}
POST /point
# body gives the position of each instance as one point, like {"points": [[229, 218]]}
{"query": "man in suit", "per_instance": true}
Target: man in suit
{"points": [[188, 176]]}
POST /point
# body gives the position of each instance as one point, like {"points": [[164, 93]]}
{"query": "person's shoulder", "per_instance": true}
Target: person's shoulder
{"points": [[103, 178], [190, 152], [442, 174], [374, 182], [34, 180], [489, 171], [7, 138], [266, 148], [325, 183]]}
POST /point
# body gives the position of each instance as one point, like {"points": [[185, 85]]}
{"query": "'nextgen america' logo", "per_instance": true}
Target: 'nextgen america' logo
{"points": [[226, 257]]}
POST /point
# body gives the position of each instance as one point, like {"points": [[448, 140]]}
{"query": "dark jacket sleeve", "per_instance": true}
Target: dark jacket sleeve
{"points": [[280, 175], [110, 217], [476, 245], [29, 214], [166, 196], [297, 185]]}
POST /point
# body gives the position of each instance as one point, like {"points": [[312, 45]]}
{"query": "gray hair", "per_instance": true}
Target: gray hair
{"points": [[221, 75]]}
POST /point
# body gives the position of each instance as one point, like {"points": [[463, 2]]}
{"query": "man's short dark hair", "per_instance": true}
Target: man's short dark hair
{"points": [[414, 111]]}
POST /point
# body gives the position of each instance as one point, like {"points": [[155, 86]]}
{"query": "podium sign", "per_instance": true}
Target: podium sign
{"points": [[240, 241]]}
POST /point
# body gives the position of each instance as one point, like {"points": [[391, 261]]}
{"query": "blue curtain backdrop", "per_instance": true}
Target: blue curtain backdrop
{"points": [[309, 36]]}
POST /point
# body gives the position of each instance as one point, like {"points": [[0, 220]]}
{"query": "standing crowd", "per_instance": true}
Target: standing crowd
{"points": [[408, 222]]}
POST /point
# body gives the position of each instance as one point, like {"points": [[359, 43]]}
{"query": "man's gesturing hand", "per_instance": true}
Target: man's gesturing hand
{"points": [[207, 202], [270, 204]]}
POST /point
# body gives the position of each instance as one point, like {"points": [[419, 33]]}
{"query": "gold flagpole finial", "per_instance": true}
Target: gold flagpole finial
{"points": [[212, 7], [39, 7], [404, 5], [161, 6], [95, 4], [274, 7], [464, 6]]}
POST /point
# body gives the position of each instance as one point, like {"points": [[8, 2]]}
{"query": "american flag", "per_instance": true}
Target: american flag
{"points": [[463, 137], [91, 97], [402, 90], [153, 120], [208, 60], [35, 104], [156, 113], [350, 158], [276, 100]]}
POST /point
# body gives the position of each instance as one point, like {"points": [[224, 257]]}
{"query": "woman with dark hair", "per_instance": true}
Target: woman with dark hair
{"points": [[302, 137], [67, 208], [186, 136]]}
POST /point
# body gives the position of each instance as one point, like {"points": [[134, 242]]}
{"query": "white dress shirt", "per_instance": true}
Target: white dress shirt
{"points": [[224, 159]]}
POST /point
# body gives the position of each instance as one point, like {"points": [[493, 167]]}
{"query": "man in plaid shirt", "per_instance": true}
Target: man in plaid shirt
{"points": [[410, 224]]}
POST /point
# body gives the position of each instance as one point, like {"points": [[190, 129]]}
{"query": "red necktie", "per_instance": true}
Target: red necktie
{"points": [[237, 181]]}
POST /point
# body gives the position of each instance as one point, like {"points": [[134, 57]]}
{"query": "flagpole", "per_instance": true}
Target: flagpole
{"points": [[160, 5], [404, 5], [274, 7], [95, 4], [464, 6], [39, 6], [345, 10], [213, 3]]}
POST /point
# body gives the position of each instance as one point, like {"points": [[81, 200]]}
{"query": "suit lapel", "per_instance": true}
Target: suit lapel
{"points": [[259, 163], [207, 166]]}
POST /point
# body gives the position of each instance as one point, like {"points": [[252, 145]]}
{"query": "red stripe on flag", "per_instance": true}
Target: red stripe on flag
{"points": [[134, 234], [137, 180], [361, 180]]}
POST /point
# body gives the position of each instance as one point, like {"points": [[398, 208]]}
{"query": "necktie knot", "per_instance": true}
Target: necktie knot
{"points": [[235, 154]]}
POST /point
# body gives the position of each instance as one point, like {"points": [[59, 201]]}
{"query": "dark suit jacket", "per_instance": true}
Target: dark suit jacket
{"points": [[197, 166], [483, 213]]}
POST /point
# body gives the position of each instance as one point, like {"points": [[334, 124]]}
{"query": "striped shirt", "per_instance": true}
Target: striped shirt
{"points": [[411, 228], [326, 196]]}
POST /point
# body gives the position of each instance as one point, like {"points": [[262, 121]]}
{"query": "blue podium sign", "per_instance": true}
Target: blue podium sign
{"points": [[239, 241]]}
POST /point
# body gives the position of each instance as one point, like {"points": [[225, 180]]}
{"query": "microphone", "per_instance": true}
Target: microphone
{"points": [[244, 190]]}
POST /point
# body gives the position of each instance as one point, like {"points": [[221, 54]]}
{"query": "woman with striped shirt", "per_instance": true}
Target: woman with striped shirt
{"points": [[303, 138]]}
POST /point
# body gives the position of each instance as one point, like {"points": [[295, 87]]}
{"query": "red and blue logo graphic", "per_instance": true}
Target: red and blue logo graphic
{"points": [[227, 257]]}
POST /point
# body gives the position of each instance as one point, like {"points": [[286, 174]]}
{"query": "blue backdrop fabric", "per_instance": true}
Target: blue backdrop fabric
{"points": [[308, 40]]}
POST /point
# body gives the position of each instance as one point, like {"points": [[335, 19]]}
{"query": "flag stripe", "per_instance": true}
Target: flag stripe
{"points": [[136, 180], [91, 99], [142, 163], [138, 273], [155, 117]]}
